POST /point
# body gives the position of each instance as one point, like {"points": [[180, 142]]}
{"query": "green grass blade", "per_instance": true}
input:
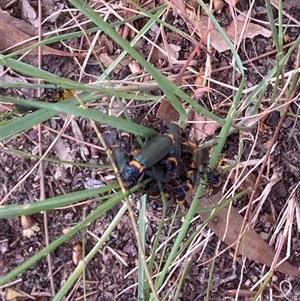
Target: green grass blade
{"points": [[142, 232], [36, 117], [8, 211]]}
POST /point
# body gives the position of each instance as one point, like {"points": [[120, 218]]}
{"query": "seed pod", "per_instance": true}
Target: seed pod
{"points": [[29, 226], [77, 253]]}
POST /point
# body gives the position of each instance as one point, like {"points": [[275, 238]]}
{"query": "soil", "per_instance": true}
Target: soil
{"points": [[107, 275]]}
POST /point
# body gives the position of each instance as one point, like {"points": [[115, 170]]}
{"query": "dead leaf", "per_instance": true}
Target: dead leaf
{"points": [[216, 39], [14, 31], [268, 144], [268, 219], [5, 17], [180, 6], [170, 54], [199, 81], [63, 152], [107, 60], [172, 51], [167, 112], [252, 31], [252, 246], [204, 127]]}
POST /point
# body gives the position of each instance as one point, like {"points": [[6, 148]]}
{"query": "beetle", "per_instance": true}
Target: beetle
{"points": [[154, 192], [199, 160], [214, 182], [178, 189], [199, 167], [166, 169], [158, 159], [156, 149], [167, 159], [121, 159], [179, 173], [176, 131], [156, 124]]}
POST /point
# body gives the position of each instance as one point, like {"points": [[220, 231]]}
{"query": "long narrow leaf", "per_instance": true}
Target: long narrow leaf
{"points": [[8, 211], [37, 117]]}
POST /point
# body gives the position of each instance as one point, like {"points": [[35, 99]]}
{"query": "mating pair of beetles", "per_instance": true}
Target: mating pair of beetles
{"points": [[168, 159]]}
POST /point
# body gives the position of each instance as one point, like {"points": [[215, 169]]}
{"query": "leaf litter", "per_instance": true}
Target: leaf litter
{"points": [[17, 34], [252, 247]]}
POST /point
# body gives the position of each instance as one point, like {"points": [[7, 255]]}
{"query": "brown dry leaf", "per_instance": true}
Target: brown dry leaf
{"points": [[268, 219], [216, 39], [199, 81], [107, 60], [268, 144], [63, 152], [167, 112], [252, 245], [204, 127], [252, 31], [4, 109], [172, 50], [13, 31]]}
